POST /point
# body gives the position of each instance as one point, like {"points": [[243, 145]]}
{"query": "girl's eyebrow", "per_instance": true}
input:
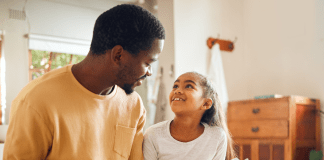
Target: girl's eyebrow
{"points": [[188, 81]]}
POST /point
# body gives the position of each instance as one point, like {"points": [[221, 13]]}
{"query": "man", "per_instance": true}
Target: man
{"points": [[89, 110]]}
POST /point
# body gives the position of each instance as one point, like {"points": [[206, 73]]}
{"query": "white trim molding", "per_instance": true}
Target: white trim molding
{"points": [[58, 44]]}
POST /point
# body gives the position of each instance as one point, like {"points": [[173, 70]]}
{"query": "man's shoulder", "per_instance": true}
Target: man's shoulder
{"points": [[121, 92], [37, 87], [130, 98], [131, 102]]}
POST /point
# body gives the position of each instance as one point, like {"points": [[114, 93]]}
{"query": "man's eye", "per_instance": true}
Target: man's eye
{"points": [[175, 86]]}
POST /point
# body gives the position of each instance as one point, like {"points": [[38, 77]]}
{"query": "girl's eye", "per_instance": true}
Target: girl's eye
{"points": [[175, 86], [189, 86]]}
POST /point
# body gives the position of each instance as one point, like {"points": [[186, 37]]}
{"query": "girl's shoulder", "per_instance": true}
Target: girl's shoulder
{"points": [[157, 129], [216, 131]]}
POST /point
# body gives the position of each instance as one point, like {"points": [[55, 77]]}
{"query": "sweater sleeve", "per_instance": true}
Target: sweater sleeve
{"points": [[222, 147], [137, 151], [28, 135], [149, 150]]}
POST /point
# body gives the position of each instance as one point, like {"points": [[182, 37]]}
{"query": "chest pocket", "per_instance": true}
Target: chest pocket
{"points": [[124, 140]]}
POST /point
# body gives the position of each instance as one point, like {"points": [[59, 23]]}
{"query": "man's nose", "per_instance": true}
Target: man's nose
{"points": [[149, 71]]}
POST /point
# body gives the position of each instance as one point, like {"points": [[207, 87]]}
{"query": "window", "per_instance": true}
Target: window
{"points": [[41, 62]]}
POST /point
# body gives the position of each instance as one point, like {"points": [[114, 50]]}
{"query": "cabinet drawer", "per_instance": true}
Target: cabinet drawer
{"points": [[259, 129], [258, 110]]}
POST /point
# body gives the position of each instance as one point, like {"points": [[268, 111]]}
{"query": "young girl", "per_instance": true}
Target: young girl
{"points": [[198, 130]]}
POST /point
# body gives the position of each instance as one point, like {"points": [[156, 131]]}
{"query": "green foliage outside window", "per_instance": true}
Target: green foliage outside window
{"points": [[41, 61]]}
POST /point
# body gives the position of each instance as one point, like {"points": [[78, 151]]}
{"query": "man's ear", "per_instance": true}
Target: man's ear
{"points": [[117, 54], [207, 104]]}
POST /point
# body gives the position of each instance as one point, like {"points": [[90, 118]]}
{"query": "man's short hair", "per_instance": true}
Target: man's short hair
{"points": [[131, 26]]}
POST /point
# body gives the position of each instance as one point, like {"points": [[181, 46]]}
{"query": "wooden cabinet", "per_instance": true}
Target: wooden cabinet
{"points": [[285, 128], [262, 149]]}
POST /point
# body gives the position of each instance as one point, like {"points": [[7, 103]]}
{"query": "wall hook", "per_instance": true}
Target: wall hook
{"points": [[235, 40]]}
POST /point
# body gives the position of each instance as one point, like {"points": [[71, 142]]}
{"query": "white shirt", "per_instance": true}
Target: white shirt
{"points": [[160, 145]]}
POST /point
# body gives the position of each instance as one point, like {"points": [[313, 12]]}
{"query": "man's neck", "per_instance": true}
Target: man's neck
{"points": [[89, 73]]}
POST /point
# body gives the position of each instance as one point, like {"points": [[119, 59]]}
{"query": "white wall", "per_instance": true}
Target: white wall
{"points": [[195, 22], [189, 24], [284, 48], [166, 58], [15, 52]]}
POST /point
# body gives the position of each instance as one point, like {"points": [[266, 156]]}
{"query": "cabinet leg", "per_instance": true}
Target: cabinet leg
{"points": [[255, 150]]}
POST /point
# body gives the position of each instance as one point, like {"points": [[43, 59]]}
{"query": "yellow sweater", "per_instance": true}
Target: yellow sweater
{"points": [[55, 118]]}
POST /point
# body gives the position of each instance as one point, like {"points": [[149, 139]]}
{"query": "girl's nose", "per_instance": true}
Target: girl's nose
{"points": [[178, 91]]}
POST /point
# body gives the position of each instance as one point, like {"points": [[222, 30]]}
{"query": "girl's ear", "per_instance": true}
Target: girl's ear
{"points": [[208, 103]]}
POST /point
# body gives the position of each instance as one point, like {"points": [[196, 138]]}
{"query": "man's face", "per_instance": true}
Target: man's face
{"points": [[138, 67]]}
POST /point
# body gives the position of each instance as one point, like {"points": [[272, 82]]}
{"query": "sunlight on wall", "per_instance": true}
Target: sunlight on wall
{"points": [[3, 89], [3, 83]]}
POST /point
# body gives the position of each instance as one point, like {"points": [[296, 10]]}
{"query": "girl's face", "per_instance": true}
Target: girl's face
{"points": [[186, 95]]}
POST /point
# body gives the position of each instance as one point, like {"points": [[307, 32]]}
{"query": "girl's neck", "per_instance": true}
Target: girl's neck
{"points": [[186, 129], [186, 123]]}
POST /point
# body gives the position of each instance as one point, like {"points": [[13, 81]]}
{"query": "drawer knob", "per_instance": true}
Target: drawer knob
{"points": [[255, 129], [256, 110]]}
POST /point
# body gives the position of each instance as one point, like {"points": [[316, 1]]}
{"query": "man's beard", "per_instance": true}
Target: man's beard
{"points": [[128, 88]]}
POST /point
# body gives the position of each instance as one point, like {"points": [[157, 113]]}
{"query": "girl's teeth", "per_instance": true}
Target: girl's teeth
{"points": [[178, 99]]}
